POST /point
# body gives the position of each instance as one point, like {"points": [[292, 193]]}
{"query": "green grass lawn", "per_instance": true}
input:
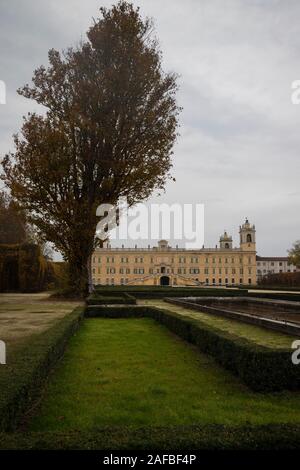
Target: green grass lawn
{"points": [[257, 334], [135, 372]]}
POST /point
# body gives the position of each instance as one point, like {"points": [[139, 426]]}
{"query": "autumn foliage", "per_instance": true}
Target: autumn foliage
{"points": [[108, 130]]}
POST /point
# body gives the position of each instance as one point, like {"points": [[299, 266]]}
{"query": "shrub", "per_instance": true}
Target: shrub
{"points": [[22, 378], [276, 296], [157, 292], [99, 299], [158, 438]]}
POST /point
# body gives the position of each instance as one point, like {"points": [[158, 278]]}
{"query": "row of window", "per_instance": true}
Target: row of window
{"points": [[272, 263], [111, 281], [272, 271], [164, 270], [181, 260]]}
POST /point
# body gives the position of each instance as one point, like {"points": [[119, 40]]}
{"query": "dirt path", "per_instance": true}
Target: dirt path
{"points": [[22, 315]]}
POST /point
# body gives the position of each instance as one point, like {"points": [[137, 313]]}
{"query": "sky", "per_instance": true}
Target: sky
{"points": [[239, 143]]}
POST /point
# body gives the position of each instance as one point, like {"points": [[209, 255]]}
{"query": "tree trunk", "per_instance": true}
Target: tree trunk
{"points": [[78, 277], [90, 278]]}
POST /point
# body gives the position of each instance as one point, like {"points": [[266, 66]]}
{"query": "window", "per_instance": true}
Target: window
{"points": [[249, 238], [194, 271]]}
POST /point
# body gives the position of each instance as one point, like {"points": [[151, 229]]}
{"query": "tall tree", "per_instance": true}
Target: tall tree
{"points": [[108, 131], [294, 254]]}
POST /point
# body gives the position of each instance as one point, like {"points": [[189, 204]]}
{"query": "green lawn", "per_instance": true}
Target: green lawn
{"points": [[135, 372], [257, 334]]}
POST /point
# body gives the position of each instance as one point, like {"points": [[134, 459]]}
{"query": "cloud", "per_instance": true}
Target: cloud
{"points": [[239, 145]]}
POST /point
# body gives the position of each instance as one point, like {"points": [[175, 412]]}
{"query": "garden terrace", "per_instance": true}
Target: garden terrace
{"points": [[145, 377], [276, 315]]}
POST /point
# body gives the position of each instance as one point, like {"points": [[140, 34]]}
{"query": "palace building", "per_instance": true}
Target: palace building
{"points": [[166, 265]]}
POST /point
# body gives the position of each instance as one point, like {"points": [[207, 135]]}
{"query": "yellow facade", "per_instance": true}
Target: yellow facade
{"points": [[165, 265]]}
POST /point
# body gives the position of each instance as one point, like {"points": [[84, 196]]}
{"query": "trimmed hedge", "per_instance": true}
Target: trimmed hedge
{"points": [[97, 299], [189, 438], [262, 369], [275, 288], [275, 296], [22, 378], [158, 292]]}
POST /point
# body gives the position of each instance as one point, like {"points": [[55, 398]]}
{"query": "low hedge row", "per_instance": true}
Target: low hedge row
{"points": [[189, 438], [262, 369], [156, 292], [99, 299], [275, 288], [275, 296], [22, 378]]}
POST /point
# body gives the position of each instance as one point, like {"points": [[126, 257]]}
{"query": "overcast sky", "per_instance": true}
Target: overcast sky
{"points": [[238, 152]]}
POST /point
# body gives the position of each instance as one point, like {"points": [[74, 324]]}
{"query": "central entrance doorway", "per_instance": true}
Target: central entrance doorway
{"points": [[164, 281]]}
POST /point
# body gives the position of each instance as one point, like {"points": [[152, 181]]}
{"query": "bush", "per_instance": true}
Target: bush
{"points": [[22, 378], [262, 369], [281, 279], [157, 292], [118, 311], [98, 299], [158, 438], [275, 296]]}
